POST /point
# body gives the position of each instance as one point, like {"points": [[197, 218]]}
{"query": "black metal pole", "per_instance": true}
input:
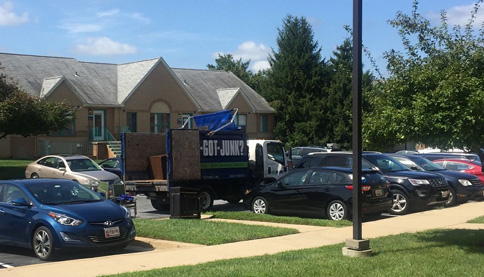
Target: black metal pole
{"points": [[357, 76]]}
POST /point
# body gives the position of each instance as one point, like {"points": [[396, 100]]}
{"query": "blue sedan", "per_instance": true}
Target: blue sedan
{"points": [[51, 215]]}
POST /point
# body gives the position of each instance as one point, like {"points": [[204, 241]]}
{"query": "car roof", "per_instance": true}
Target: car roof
{"points": [[22, 182], [67, 156]]}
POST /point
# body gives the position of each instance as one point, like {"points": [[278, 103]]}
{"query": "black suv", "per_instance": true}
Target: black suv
{"points": [[412, 190], [297, 153]]}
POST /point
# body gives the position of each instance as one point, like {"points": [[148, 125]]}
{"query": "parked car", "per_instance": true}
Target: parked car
{"points": [[112, 165], [462, 165], [320, 192], [297, 153], [72, 167], [450, 155], [53, 215], [412, 190], [463, 186]]}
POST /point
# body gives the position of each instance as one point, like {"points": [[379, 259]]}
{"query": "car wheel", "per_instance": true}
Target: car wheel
{"points": [[43, 244], [260, 205], [452, 201], [401, 203], [206, 200], [337, 210], [34, 176]]}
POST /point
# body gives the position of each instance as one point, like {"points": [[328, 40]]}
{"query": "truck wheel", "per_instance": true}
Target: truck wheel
{"points": [[206, 200], [452, 201], [159, 206], [401, 202]]}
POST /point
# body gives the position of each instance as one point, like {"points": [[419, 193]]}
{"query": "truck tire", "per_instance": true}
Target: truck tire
{"points": [[159, 206], [206, 200]]}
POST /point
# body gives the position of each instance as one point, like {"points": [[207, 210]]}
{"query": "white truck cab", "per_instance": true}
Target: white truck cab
{"points": [[267, 159]]}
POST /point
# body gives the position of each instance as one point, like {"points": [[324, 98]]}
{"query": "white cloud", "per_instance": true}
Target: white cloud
{"points": [[8, 17], [249, 50], [108, 13], [104, 46], [76, 28], [140, 17], [460, 15]]}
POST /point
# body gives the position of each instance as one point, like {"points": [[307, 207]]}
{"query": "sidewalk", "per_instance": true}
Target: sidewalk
{"points": [[168, 254]]}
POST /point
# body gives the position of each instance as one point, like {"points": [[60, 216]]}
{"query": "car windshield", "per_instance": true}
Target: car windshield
{"points": [[427, 165], [386, 164], [62, 193], [78, 165]]}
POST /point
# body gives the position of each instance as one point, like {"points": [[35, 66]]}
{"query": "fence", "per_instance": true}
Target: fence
{"points": [[49, 147]]}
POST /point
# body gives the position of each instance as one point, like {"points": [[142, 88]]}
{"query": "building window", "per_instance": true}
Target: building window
{"points": [[185, 117], [159, 122], [132, 121], [69, 131], [241, 120], [263, 123]]}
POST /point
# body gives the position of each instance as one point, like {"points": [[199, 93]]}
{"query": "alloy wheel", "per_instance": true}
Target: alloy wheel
{"points": [[336, 211], [42, 243], [259, 206], [399, 202]]}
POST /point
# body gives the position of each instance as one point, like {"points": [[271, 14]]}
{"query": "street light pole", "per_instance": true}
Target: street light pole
{"points": [[357, 246]]}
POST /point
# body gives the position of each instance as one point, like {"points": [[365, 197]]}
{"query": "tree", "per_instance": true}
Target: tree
{"points": [[22, 114], [228, 63], [295, 84], [338, 103], [434, 93]]}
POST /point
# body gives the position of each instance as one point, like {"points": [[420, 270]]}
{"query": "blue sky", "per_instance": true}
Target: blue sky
{"points": [[190, 33]]}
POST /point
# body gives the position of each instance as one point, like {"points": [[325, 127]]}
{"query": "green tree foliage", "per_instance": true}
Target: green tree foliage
{"points": [[295, 84], [434, 92], [238, 67], [22, 114], [338, 103]]}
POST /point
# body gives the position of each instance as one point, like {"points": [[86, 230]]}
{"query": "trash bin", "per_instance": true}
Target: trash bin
{"points": [[184, 202]]}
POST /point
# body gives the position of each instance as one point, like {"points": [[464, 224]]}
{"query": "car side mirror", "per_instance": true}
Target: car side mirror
{"points": [[20, 202], [63, 169]]}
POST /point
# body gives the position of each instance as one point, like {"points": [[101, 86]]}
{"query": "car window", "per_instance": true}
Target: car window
{"points": [[62, 193], [110, 164], [50, 162], [11, 192], [78, 165], [294, 179], [337, 160], [308, 161], [296, 151], [457, 166], [321, 177], [59, 163]]}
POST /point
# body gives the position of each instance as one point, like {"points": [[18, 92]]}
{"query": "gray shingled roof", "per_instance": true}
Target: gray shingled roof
{"points": [[205, 86], [100, 84]]}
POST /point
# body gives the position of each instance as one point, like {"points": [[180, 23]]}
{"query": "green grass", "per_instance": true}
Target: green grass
{"points": [[13, 169], [204, 232], [280, 219], [431, 253], [477, 220]]}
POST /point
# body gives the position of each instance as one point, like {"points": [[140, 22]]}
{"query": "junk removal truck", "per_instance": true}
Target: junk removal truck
{"points": [[214, 161]]}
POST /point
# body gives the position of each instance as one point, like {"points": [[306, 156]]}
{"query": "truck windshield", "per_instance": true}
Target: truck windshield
{"points": [[275, 152]]}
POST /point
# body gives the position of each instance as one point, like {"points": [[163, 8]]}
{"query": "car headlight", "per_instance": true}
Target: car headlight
{"points": [[90, 182], [127, 214], [65, 220], [418, 182], [465, 183]]}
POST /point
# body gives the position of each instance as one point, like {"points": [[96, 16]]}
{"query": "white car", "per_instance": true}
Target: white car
{"points": [[72, 167]]}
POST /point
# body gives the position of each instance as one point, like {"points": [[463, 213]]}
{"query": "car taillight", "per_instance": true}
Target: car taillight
{"points": [[363, 188]]}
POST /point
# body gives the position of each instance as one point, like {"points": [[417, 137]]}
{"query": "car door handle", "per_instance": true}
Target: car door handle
{"points": [[2, 211]]}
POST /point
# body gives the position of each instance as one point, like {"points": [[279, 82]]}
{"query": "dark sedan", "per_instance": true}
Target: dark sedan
{"points": [[51, 215], [320, 192], [112, 165]]}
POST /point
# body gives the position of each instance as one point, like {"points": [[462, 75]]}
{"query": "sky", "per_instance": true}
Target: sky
{"points": [[192, 33]]}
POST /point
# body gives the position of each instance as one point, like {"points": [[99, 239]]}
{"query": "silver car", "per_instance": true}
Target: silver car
{"points": [[72, 167]]}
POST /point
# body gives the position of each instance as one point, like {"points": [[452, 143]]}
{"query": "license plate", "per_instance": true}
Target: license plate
{"points": [[378, 192], [444, 193], [111, 232]]}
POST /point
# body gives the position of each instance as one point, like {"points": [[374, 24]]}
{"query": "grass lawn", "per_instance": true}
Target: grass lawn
{"points": [[280, 219], [204, 232], [431, 253], [13, 169], [477, 220]]}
